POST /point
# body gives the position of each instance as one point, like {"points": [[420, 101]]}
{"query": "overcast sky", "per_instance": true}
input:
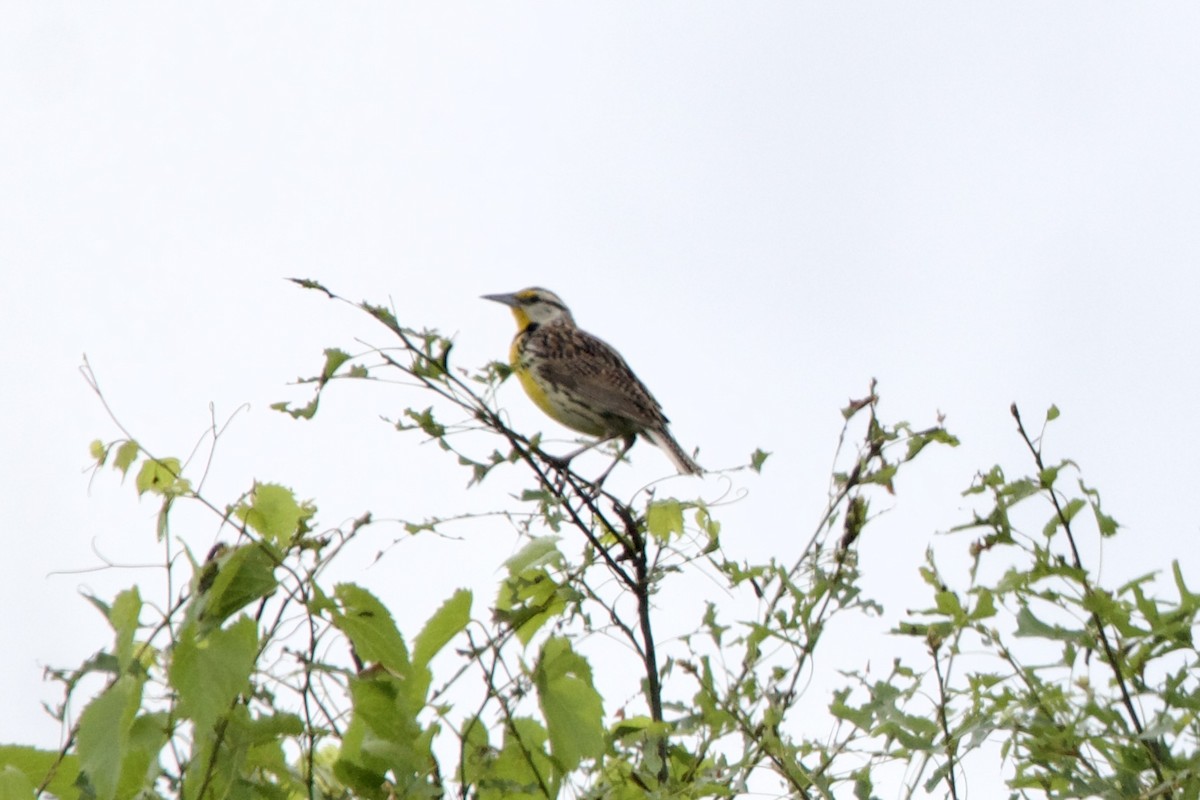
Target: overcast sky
{"points": [[761, 205]]}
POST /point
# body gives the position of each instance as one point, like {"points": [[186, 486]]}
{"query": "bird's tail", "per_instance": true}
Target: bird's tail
{"points": [[682, 461]]}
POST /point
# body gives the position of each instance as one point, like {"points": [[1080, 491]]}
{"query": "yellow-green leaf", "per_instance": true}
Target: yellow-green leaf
{"points": [[570, 704], [663, 518], [161, 476], [104, 728], [446, 623], [274, 512], [127, 453], [370, 628], [209, 672]]}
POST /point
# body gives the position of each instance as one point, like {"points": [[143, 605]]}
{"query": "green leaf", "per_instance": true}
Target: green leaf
{"points": [[234, 580], [861, 718], [542, 551], [161, 476], [147, 736], [1052, 413], [425, 421], [882, 477], [570, 704], [334, 358], [104, 728], [663, 518], [382, 314], [1018, 490], [210, 672], [520, 770], [274, 512], [356, 766], [528, 600], [36, 765], [1106, 524], [446, 623], [985, 605], [98, 451], [862, 784], [1056, 519], [308, 283], [15, 785], [127, 453], [948, 605], [758, 458], [1030, 626], [370, 627], [637, 726], [385, 734], [1048, 476], [918, 441], [307, 411], [124, 618]]}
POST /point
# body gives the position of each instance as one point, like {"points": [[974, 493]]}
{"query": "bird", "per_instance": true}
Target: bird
{"points": [[581, 381]]}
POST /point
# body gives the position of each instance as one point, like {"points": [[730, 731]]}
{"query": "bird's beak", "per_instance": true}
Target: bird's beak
{"points": [[509, 300]]}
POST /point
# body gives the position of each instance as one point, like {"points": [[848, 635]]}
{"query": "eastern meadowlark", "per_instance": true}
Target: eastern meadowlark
{"points": [[581, 381]]}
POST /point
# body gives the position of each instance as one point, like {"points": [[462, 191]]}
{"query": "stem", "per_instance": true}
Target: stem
{"points": [[1153, 747], [951, 745]]}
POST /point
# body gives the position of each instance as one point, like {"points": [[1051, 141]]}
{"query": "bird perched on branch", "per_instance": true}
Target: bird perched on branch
{"points": [[581, 381]]}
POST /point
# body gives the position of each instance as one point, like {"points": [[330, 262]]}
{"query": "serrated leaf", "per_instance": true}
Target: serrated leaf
{"points": [[862, 785], [918, 441], [357, 768], [98, 451], [426, 422], [1048, 476], [15, 784], [881, 477], [273, 511], [862, 718], [147, 736], [571, 706], [539, 552], [36, 764], [235, 579], [124, 618], [663, 518], [104, 728], [127, 453], [1073, 507], [985, 605], [334, 358], [446, 623], [382, 314], [370, 627], [306, 411], [210, 672], [522, 767], [948, 605], [1030, 626], [528, 600], [308, 283], [385, 710], [161, 476]]}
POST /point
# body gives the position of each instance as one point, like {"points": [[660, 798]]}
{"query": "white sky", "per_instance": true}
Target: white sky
{"points": [[761, 205]]}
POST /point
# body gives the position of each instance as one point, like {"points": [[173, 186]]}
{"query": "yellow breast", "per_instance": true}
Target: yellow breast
{"points": [[555, 403]]}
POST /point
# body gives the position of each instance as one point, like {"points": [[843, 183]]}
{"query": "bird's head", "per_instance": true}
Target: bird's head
{"points": [[534, 306]]}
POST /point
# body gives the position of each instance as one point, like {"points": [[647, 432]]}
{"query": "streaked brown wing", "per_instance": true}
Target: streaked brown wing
{"points": [[595, 371]]}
